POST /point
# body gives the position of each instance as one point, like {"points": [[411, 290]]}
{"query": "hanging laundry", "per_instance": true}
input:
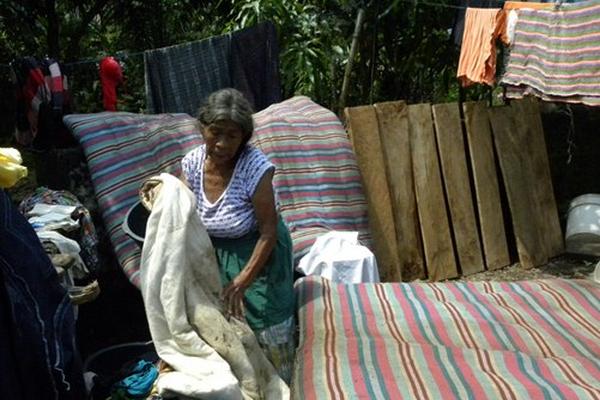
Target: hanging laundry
{"points": [[31, 91], [255, 65], [556, 54], [560, 2], [55, 83], [512, 8], [532, 5], [477, 62], [179, 78], [42, 100], [459, 19], [111, 76]]}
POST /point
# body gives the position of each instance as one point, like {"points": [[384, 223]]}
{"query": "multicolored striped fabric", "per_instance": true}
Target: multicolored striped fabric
{"points": [[455, 340], [556, 54], [317, 180], [123, 150]]}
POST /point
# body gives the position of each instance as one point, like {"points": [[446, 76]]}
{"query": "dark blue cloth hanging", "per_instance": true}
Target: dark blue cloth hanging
{"points": [[179, 78]]}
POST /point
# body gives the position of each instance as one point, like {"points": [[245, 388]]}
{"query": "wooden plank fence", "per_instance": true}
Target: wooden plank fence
{"points": [[432, 179], [395, 141], [451, 147], [437, 241], [364, 135], [481, 152]]}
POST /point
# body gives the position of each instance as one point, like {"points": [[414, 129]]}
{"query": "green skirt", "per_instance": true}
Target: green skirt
{"points": [[270, 298]]}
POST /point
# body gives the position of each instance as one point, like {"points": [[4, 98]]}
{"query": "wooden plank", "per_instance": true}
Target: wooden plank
{"points": [[489, 209], [435, 229], [516, 165], [394, 134], [364, 134], [451, 147], [528, 114]]}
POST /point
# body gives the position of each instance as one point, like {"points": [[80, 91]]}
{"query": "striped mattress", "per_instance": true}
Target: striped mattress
{"points": [[556, 54], [123, 150], [317, 180], [455, 340]]}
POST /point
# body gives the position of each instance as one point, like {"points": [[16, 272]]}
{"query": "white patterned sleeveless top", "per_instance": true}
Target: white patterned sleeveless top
{"points": [[232, 215]]}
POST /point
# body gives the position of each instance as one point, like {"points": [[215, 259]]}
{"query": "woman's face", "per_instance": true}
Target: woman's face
{"points": [[223, 140]]}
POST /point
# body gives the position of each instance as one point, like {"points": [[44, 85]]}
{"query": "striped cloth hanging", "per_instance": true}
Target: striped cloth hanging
{"points": [[556, 54]]}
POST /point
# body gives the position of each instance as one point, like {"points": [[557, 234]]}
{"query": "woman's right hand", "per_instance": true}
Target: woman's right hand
{"points": [[233, 296]]}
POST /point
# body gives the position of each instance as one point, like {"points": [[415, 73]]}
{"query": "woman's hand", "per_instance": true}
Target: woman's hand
{"points": [[233, 295], [266, 217]]}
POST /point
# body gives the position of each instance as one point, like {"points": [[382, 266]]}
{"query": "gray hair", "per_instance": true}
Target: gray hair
{"points": [[228, 105]]}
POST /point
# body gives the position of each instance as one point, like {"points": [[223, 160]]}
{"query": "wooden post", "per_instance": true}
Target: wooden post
{"points": [[359, 21]]}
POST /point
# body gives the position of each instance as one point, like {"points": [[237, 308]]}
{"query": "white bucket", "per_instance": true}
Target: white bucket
{"points": [[583, 225]]}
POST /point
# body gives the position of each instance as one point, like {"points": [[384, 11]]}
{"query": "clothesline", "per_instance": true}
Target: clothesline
{"points": [[441, 5], [118, 54], [139, 53]]}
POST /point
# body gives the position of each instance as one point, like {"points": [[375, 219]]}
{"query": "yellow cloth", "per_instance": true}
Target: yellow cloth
{"points": [[517, 5], [11, 169]]}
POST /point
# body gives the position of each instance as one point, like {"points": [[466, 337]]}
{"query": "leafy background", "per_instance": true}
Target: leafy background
{"points": [[404, 52]]}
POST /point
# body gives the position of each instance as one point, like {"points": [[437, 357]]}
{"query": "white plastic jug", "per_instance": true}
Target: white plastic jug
{"points": [[583, 225]]}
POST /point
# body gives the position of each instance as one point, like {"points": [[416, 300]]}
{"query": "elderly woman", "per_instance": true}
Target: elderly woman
{"points": [[232, 181]]}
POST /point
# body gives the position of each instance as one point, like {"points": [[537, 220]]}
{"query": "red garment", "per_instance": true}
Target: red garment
{"points": [[111, 75], [34, 88]]}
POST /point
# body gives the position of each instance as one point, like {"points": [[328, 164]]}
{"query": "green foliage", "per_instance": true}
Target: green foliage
{"points": [[312, 43], [404, 50]]}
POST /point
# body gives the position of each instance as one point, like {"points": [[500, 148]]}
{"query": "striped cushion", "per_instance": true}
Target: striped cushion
{"points": [[317, 180], [456, 340], [123, 150]]}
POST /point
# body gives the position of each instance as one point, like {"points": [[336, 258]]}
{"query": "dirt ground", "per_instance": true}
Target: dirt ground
{"points": [[566, 267]]}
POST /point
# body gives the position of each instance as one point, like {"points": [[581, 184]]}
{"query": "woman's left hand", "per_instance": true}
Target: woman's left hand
{"points": [[233, 296]]}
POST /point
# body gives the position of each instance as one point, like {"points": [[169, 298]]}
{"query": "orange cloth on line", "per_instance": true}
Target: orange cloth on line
{"points": [[477, 63], [518, 5]]}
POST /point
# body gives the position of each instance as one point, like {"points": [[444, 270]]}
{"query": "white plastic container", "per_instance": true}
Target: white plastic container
{"points": [[583, 225]]}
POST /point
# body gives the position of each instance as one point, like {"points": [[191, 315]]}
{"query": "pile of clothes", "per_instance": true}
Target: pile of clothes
{"points": [[66, 230]]}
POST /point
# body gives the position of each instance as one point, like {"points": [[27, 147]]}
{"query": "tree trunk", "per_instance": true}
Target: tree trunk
{"points": [[53, 33], [360, 17]]}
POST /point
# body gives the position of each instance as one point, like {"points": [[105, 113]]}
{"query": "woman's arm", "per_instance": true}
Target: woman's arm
{"points": [[266, 216]]}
